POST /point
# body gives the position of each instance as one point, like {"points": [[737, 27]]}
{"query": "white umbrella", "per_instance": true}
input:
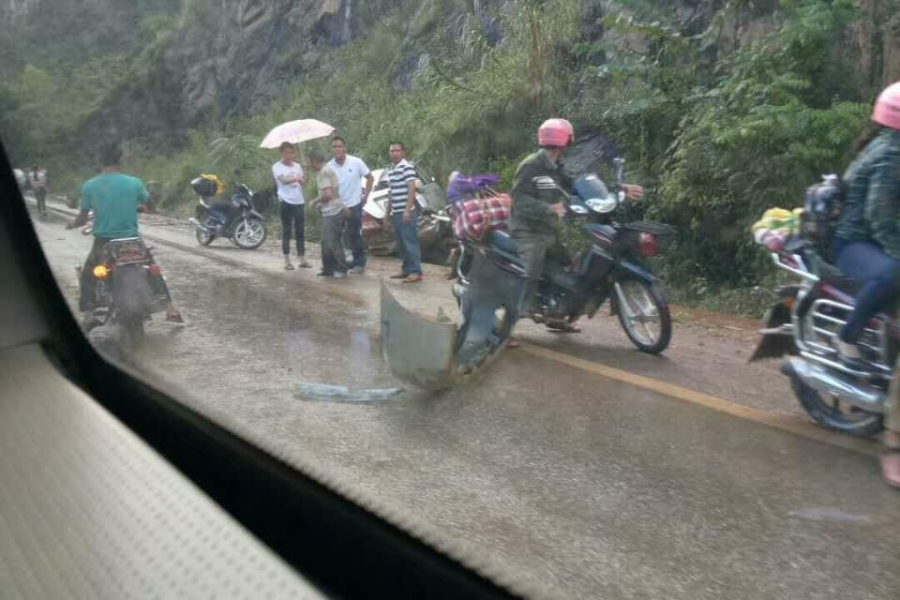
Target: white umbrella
{"points": [[297, 132]]}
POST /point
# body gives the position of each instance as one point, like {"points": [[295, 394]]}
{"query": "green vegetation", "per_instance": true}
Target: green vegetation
{"points": [[716, 134]]}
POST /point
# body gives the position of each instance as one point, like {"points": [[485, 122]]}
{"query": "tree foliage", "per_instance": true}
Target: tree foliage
{"points": [[716, 131]]}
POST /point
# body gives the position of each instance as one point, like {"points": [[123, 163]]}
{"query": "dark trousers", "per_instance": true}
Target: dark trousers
{"points": [[353, 236], [333, 260], [880, 275], [41, 195], [293, 217], [407, 238]]}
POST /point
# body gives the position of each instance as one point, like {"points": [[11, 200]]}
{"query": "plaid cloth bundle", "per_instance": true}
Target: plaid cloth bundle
{"points": [[476, 218]]}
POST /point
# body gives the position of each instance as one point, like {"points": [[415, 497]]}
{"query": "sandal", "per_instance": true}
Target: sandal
{"points": [[399, 276], [413, 279]]}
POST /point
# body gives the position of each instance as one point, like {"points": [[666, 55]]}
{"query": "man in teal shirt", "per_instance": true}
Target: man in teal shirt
{"points": [[116, 200]]}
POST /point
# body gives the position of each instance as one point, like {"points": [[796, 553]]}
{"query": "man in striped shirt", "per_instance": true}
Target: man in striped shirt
{"points": [[404, 213]]}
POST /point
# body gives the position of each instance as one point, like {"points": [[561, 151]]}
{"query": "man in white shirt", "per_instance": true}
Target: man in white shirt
{"points": [[289, 179], [350, 170]]}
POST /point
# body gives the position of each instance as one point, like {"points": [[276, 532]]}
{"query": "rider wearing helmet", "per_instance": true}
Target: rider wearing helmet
{"points": [[867, 245], [537, 207]]}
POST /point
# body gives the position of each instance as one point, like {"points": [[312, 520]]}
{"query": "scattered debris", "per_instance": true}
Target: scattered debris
{"points": [[320, 392]]}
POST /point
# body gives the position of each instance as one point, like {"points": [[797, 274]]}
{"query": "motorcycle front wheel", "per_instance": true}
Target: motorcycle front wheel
{"points": [[249, 234], [644, 314]]}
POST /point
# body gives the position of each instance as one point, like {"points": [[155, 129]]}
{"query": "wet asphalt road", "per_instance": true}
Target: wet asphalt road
{"points": [[578, 485]]}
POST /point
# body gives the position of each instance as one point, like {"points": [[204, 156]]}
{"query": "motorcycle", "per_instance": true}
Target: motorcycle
{"points": [[129, 288], [237, 220], [491, 286], [434, 226], [804, 324]]}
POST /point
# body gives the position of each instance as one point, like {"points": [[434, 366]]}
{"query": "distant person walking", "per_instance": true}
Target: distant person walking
{"points": [[350, 170], [404, 213], [289, 179], [37, 177], [334, 263]]}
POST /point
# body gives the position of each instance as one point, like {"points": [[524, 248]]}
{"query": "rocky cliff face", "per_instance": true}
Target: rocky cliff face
{"points": [[231, 56]]}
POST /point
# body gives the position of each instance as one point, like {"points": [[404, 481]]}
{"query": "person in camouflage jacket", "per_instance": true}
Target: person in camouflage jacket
{"points": [[538, 205], [867, 247]]}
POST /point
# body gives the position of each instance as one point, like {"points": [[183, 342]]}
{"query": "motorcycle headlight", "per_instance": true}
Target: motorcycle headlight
{"points": [[101, 272], [578, 209], [602, 205]]}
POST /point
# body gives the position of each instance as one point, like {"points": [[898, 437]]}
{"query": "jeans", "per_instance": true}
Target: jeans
{"points": [[407, 238], [880, 276], [353, 236], [293, 216], [333, 259]]}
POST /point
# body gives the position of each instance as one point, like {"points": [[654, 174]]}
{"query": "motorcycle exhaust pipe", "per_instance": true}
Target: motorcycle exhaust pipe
{"points": [[199, 225], [825, 382]]}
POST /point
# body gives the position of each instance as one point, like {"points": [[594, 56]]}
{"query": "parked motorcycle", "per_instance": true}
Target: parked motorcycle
{"points": [[491, 286], [129, 288], [434, 226], [804, 324], [236, 219]]}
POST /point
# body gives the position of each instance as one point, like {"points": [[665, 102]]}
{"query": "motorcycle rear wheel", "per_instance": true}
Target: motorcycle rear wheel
{"points": [[836, 416], [131, 334], [644, 303], [204, 238]]}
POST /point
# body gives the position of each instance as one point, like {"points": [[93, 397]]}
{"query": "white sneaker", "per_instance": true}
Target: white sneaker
{"points": [[339, 275], [358, 270]]}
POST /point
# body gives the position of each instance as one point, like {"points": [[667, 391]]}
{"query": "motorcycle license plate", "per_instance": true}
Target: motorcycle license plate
{"points": [[128, 251]]}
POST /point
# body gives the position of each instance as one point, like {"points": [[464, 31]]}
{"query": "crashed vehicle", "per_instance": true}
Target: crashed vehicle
{"points": [[434, 227], [490, 292]]}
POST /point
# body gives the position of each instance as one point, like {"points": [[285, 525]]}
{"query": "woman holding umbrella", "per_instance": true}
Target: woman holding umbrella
{"points": [[289, 178]]}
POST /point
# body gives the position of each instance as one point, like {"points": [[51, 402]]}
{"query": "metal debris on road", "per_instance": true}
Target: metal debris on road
{"points": [[320, 392]]}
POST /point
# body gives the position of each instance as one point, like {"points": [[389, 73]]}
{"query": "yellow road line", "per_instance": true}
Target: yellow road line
{"points": [[784, 423]]}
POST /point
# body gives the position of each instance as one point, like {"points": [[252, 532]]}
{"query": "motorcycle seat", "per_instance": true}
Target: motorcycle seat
{"points": [[502, 241]]}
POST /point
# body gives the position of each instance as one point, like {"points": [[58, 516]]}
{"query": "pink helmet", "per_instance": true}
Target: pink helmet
{"points": [[887, 107], [557, 133]]}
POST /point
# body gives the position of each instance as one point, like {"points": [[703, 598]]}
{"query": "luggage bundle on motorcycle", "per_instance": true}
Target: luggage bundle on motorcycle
{"points": [[475, 219], [821, 207]]}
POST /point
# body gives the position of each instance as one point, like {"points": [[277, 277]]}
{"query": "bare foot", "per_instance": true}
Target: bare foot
{"points": [[890, 468]]}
